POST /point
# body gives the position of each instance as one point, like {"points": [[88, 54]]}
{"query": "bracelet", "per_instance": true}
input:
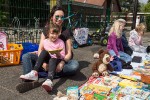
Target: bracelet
{"points": [[64, 60]]}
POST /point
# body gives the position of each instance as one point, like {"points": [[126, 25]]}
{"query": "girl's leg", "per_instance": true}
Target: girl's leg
{"points": [[43, 57], [112, 53], [28, 61], [33, 75], [125, 57], [143, 49], [52, 67], [138, 48], [48, 84]]}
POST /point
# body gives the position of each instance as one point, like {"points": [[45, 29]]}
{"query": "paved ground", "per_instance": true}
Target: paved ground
{"points": [[9, 77]]}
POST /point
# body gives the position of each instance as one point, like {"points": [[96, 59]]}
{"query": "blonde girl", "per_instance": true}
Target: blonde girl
{"points": [[135, 39], [114, 44]]}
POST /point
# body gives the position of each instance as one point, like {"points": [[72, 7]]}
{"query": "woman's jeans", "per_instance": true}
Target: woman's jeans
{"points": [[123, 56], [29, 61]]}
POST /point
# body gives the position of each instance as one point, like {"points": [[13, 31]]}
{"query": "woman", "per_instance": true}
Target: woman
{"points": [[68, 66]]}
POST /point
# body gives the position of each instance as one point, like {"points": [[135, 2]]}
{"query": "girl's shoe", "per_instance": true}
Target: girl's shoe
{"points": [[33, 75], [47, 85]]}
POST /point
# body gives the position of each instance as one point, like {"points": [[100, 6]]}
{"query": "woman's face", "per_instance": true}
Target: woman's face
{"points": [[58, 17]]}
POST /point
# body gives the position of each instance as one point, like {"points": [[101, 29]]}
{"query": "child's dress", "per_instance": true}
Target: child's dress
{"points": [[135, 42]]}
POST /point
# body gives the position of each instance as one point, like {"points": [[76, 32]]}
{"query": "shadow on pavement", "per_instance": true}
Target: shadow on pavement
{"points": [[78, 77]]}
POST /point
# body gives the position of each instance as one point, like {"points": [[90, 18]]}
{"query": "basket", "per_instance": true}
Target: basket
{"points": [[11, 56]]}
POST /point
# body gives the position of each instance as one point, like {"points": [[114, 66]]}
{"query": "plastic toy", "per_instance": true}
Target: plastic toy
{"points": [[81, 37]]}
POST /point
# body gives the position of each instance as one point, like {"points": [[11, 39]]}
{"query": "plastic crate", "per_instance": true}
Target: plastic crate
{"points": [[11, 56]]}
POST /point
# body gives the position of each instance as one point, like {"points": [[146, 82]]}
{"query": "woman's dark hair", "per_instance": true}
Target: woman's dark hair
{"points": [[54, 9]]}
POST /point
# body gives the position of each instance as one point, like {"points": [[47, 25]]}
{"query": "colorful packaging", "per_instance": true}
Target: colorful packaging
{"points": [[73, 91], [133, 92], [130, 83]]}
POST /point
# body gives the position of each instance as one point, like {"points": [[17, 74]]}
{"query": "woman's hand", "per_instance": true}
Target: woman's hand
{"points": [[58, 55], [45, 66], [60, 66], [34, 52]]}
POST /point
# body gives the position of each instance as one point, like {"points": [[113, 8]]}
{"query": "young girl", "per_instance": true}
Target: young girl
{"points": [[135, 39], [125, 43], [49, 44], [114, 44]]}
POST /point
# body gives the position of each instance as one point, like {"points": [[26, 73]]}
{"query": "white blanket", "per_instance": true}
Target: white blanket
{"points": [[143, 55], [134, 65]]}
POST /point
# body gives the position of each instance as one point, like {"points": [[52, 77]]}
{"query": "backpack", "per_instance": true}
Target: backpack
{"points": [[3, 41]]}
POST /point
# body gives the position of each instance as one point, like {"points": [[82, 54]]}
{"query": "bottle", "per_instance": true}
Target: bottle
{"points": [[11, 54]]}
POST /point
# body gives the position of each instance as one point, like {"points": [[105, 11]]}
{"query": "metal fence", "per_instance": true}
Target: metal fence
{"points": [[17, 34], [24, 20]]}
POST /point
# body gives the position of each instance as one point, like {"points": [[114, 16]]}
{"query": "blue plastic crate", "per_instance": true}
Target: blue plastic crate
{"points": [[29, 47]]}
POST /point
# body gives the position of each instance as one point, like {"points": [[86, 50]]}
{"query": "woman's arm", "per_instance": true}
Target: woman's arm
{"points": [[41, 47], [68, 50], [67, 57]]}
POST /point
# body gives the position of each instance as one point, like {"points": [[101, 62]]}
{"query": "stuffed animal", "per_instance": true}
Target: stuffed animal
{"points": [[61, 96], [101, 67]]}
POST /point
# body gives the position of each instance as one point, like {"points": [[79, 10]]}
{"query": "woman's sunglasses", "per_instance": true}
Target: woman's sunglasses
{"points": [[61, 17]]}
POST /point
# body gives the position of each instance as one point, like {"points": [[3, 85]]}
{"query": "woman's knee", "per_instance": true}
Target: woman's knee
{"points": [[25, 56], [73, 65]]}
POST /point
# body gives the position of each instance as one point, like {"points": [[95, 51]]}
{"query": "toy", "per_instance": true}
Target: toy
{"points": [[73, 91], [61, 96], [4, 60], [102, 66], [134, 92], [147, 64], [134, 84], [81, 37], [55, 51]]}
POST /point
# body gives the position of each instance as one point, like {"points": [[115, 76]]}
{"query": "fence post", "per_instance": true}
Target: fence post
{"points": [[134, 14]]}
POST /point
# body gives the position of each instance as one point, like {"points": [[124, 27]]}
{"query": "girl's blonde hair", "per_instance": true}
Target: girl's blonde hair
{"points": [[140, 27], [116, 29]]}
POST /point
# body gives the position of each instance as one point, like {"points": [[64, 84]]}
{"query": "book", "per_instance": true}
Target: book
{"points": [[137, 59], [54, 51]]}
